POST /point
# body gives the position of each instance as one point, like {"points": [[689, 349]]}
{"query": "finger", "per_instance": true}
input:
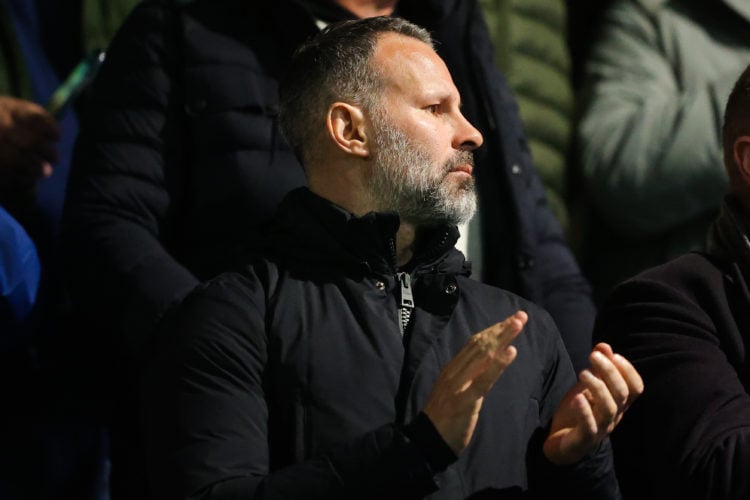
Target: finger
{"points": [[603, 405], [586, 421], [497, 345], [36, 166], [627, 370], [606, 370], [481, 346], [501, 357], [631, 377], [605, 349], [482, 384], [572, 441], [46, 170]]}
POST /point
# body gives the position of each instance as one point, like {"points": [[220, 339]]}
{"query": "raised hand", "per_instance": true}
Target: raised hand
{"points": [[592, 409], [27, 144], [456, 398]]}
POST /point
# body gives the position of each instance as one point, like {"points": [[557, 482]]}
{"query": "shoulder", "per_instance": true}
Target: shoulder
{"points": [[226, 312], [690, 296], [484, 295], [232, 299], [247, 283], [688, 274]]}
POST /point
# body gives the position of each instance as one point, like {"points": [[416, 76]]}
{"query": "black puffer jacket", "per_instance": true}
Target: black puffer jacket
{"points": [[181, 161], [292, 380]]}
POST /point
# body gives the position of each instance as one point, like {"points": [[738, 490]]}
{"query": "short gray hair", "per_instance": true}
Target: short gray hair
{"points": [[334, 66]]}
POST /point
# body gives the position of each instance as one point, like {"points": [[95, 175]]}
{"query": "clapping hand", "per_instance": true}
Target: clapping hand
{"points": [[593, 407], [457, 396]]}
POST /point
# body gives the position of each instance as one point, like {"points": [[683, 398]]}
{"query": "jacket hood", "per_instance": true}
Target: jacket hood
{"points": [[313, 232]]}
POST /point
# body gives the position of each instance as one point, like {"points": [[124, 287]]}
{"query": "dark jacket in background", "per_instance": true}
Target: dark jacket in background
{"points": [[686, 327], [291, 379], [529, 37], [181, 162]]}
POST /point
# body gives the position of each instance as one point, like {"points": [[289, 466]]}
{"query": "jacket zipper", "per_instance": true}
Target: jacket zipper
{"points": [[407, 301]]}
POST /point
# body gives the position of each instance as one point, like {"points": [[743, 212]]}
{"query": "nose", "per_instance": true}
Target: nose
{"points": [[467, 137]]}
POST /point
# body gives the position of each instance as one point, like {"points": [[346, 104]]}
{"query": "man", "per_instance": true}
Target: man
{"points": [[181, 162], [341, 364], [686, 326]]}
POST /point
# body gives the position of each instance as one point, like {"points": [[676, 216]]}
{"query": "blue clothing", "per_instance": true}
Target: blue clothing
{"points": [[19, 270], [48, 452]]}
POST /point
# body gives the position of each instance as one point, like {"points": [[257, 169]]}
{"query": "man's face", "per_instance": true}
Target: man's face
{"points": [[406, 179], [422, 144]]}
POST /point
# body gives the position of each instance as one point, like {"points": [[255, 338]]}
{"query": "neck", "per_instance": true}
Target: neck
{"points": [[343, 195], [346, 189], [405, 238]]}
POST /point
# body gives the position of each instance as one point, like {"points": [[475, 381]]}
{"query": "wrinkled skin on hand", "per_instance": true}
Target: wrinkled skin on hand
{"points": [[28, 135]]}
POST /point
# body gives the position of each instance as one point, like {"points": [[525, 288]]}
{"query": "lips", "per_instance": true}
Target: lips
{"points": [[463, 161], [468, 169]]}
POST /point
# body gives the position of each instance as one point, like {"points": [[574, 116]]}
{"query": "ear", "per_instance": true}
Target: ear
{"points": [[742, 158], [348, 129]]}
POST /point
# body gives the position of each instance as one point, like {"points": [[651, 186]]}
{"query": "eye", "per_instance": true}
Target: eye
{"points": [[433, 108]]}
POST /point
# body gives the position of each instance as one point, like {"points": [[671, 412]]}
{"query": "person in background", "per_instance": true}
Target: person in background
{"points": [[28, 136], [686, 327], [531, 50], [652, 100], [340, 362], [54, 444]]}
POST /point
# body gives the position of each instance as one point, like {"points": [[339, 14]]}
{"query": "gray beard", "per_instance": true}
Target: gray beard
{"points": [[404, 180]]}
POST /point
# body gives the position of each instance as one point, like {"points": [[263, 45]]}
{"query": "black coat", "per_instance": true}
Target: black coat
{"points": [[685, 325], [180, 161], [291, 379]]}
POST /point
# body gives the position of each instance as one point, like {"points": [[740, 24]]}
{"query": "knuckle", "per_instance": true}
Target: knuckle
{"points": [[609, 412]]}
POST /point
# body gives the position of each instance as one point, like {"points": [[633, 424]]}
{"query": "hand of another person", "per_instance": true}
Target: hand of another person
{"points": [[27, 144], [456, 398], [593, 407]]}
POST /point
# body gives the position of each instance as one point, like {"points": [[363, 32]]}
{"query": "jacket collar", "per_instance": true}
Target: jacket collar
{"points": [[312, 231]]}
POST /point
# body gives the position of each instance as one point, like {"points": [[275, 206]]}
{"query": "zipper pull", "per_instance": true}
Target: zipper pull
{"points": [[407, 300]]}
